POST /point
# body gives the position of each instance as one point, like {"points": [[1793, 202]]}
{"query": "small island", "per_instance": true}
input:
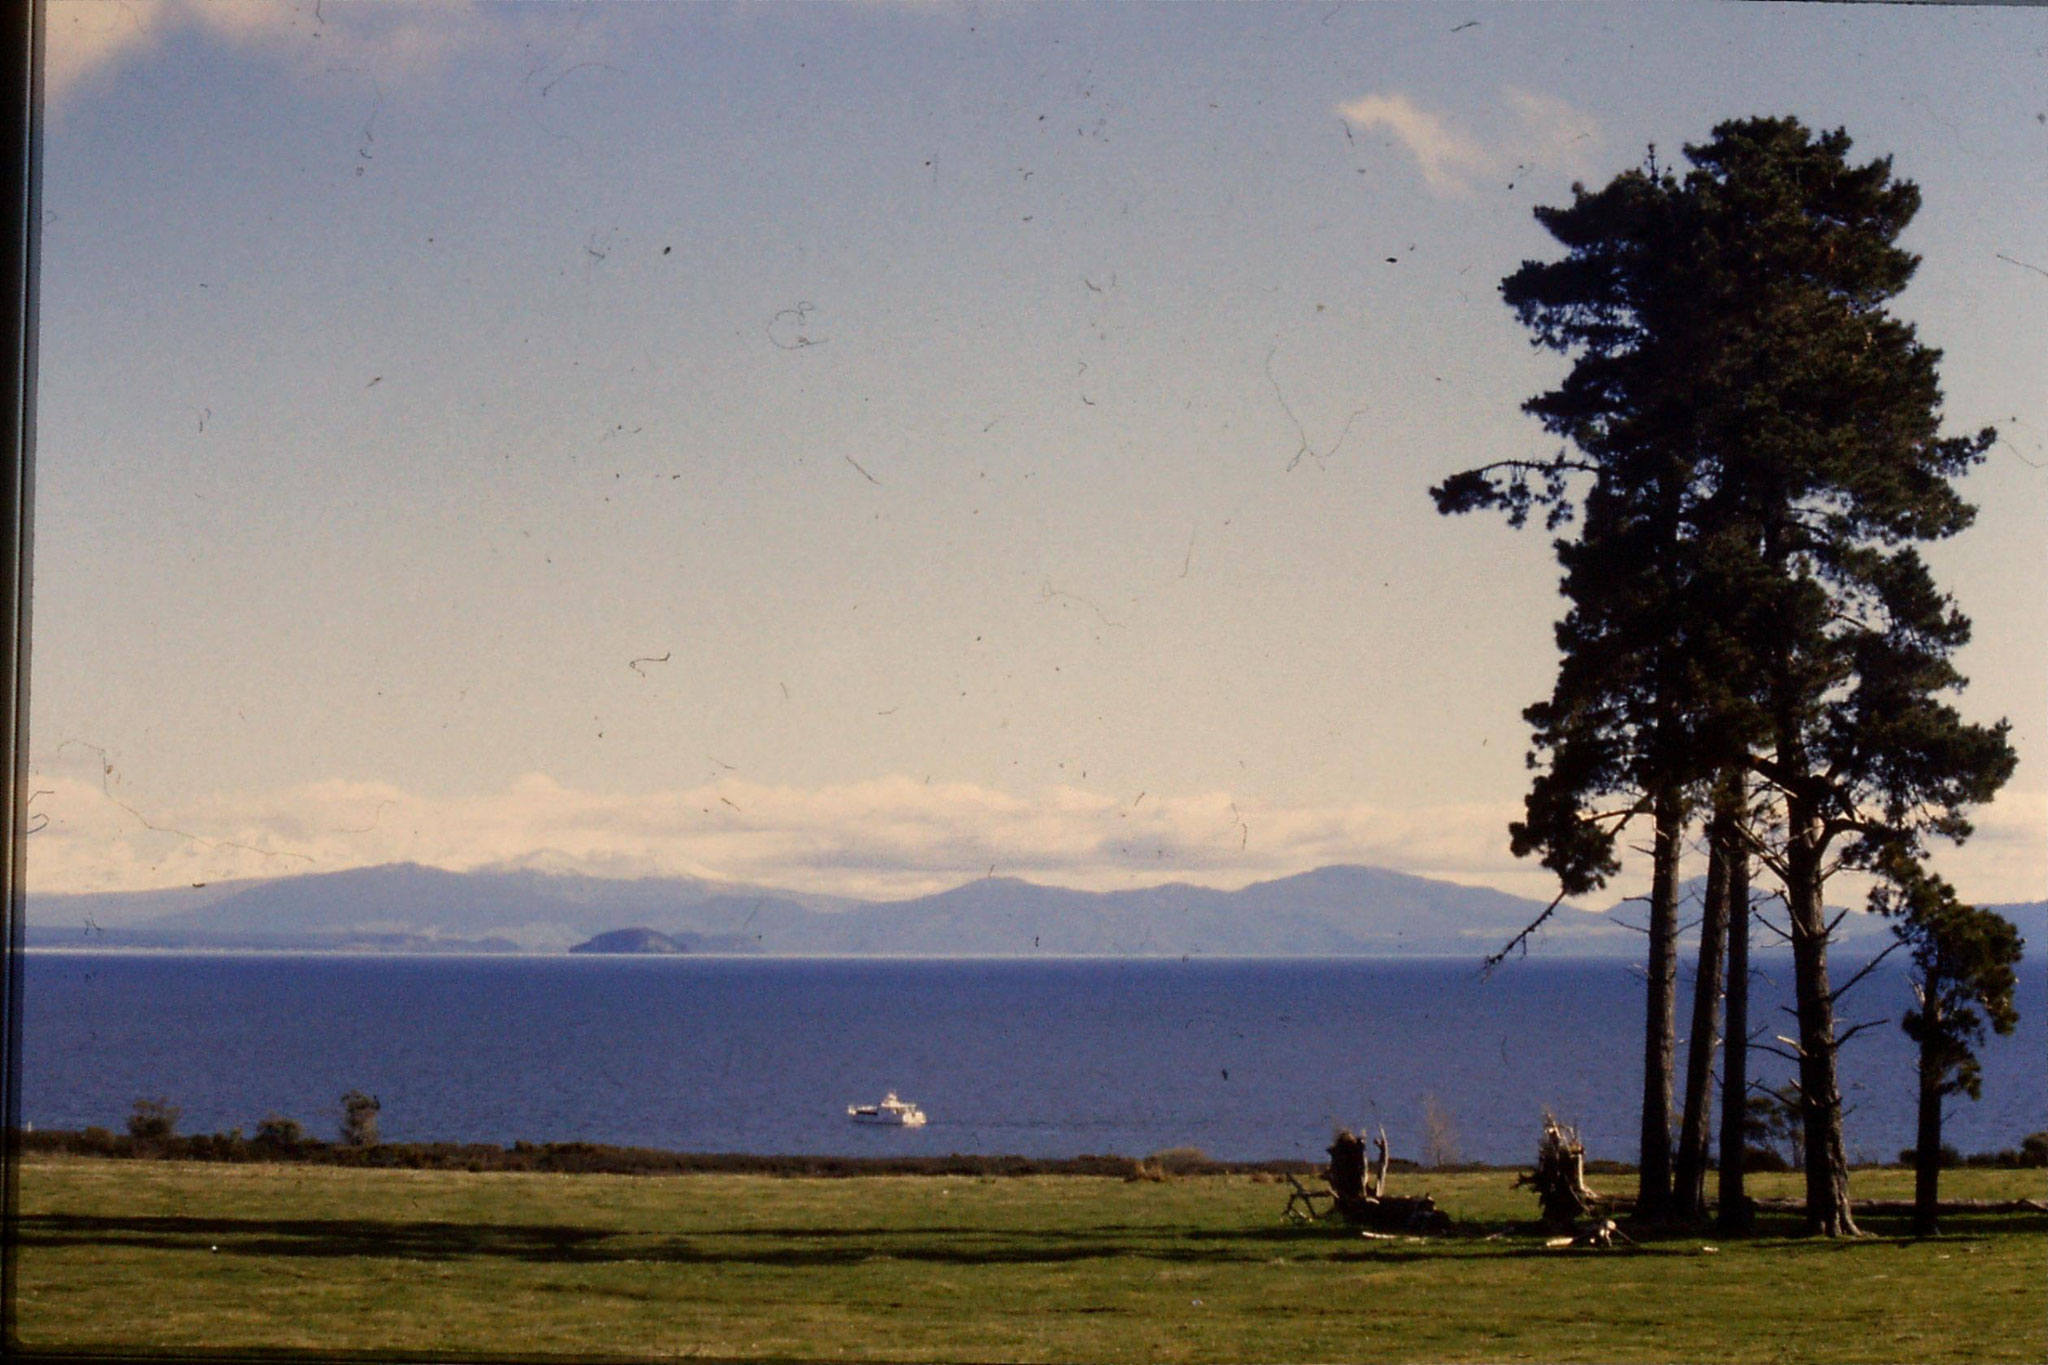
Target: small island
{"points": [[631, 941]]}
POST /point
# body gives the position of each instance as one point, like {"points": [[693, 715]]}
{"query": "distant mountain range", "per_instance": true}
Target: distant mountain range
{"points": [[1332, 911]]}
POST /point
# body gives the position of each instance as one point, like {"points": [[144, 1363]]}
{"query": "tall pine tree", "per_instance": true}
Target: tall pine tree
{"points": [[1630, 720], [1823, 413], [1962, 977], [1760, 444]]}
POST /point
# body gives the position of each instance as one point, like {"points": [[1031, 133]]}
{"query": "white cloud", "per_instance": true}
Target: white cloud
{"points": [[891, 836], [1446, 156], [82, 38], [887, 837], [1534, 131], [88, 38], [2007, 858]]}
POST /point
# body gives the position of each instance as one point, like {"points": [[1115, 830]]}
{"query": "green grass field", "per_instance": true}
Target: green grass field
{"points": [[138, 1256]]}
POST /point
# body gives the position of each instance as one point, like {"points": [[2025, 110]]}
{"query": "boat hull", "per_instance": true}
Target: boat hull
{"points": [[890, 1113]]}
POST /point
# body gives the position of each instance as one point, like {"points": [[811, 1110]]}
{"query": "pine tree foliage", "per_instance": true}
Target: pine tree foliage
{"points": [[1963, 973], [1825, 413], [1963, 980], [1754, 449]]}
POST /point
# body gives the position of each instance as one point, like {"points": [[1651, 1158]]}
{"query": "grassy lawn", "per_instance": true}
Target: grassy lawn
{"points": [[135, 1255]]}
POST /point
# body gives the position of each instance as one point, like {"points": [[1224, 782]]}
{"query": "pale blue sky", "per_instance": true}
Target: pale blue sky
{"points": [[951, 408]]}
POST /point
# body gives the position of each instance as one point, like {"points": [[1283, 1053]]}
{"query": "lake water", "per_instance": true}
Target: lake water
{"points": [[1245, 1059]]}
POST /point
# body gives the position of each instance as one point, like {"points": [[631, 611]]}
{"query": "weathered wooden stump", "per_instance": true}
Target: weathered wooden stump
{"points": [[1357, 1192], [1560, 1178]]}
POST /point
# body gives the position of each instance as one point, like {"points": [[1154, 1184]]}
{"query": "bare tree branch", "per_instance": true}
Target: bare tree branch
{"points": [[1850, 1032], [1538, 466], [1862, 972], [1520, 940], [1763, 851]]}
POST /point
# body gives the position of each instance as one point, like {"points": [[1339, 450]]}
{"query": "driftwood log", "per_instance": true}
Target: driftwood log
{"points": [[1596, 1234], [1560, 1178], [1357, 1192]]}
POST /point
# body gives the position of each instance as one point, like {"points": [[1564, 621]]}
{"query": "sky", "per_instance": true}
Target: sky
{"points": [[861, 448]]}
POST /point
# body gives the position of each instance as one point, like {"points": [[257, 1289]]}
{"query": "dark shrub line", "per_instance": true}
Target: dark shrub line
{"points": [[273, 1143], [2032, 1151], [282, 1140]]}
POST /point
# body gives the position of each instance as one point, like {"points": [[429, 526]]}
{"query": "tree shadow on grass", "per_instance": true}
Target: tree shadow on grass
{"points": [[785, 1247], [793, 1247], [334, 1237]]}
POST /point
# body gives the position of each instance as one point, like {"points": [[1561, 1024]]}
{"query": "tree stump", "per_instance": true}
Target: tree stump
{"points": [[1347, 1165], [1560, 1178], [1358, 1192]]}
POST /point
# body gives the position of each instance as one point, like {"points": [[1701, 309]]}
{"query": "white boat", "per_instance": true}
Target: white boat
{"points": [[892, 1111]]}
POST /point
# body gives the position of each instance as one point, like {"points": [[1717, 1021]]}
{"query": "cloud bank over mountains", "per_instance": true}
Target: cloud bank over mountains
{"points": [[894, 836]]}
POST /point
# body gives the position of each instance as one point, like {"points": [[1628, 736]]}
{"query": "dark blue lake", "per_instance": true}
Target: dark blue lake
{"points": [[1245, 1059]]}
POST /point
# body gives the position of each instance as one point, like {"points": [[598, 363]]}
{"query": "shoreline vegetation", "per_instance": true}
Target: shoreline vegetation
{"points": [[597, 1158]]}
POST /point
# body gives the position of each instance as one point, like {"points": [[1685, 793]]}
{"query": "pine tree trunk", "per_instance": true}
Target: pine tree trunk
{"points": [[1820, 1096], [1689, 1180], [1734, 1213], [1653, 1189], [1927, 1140]]}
